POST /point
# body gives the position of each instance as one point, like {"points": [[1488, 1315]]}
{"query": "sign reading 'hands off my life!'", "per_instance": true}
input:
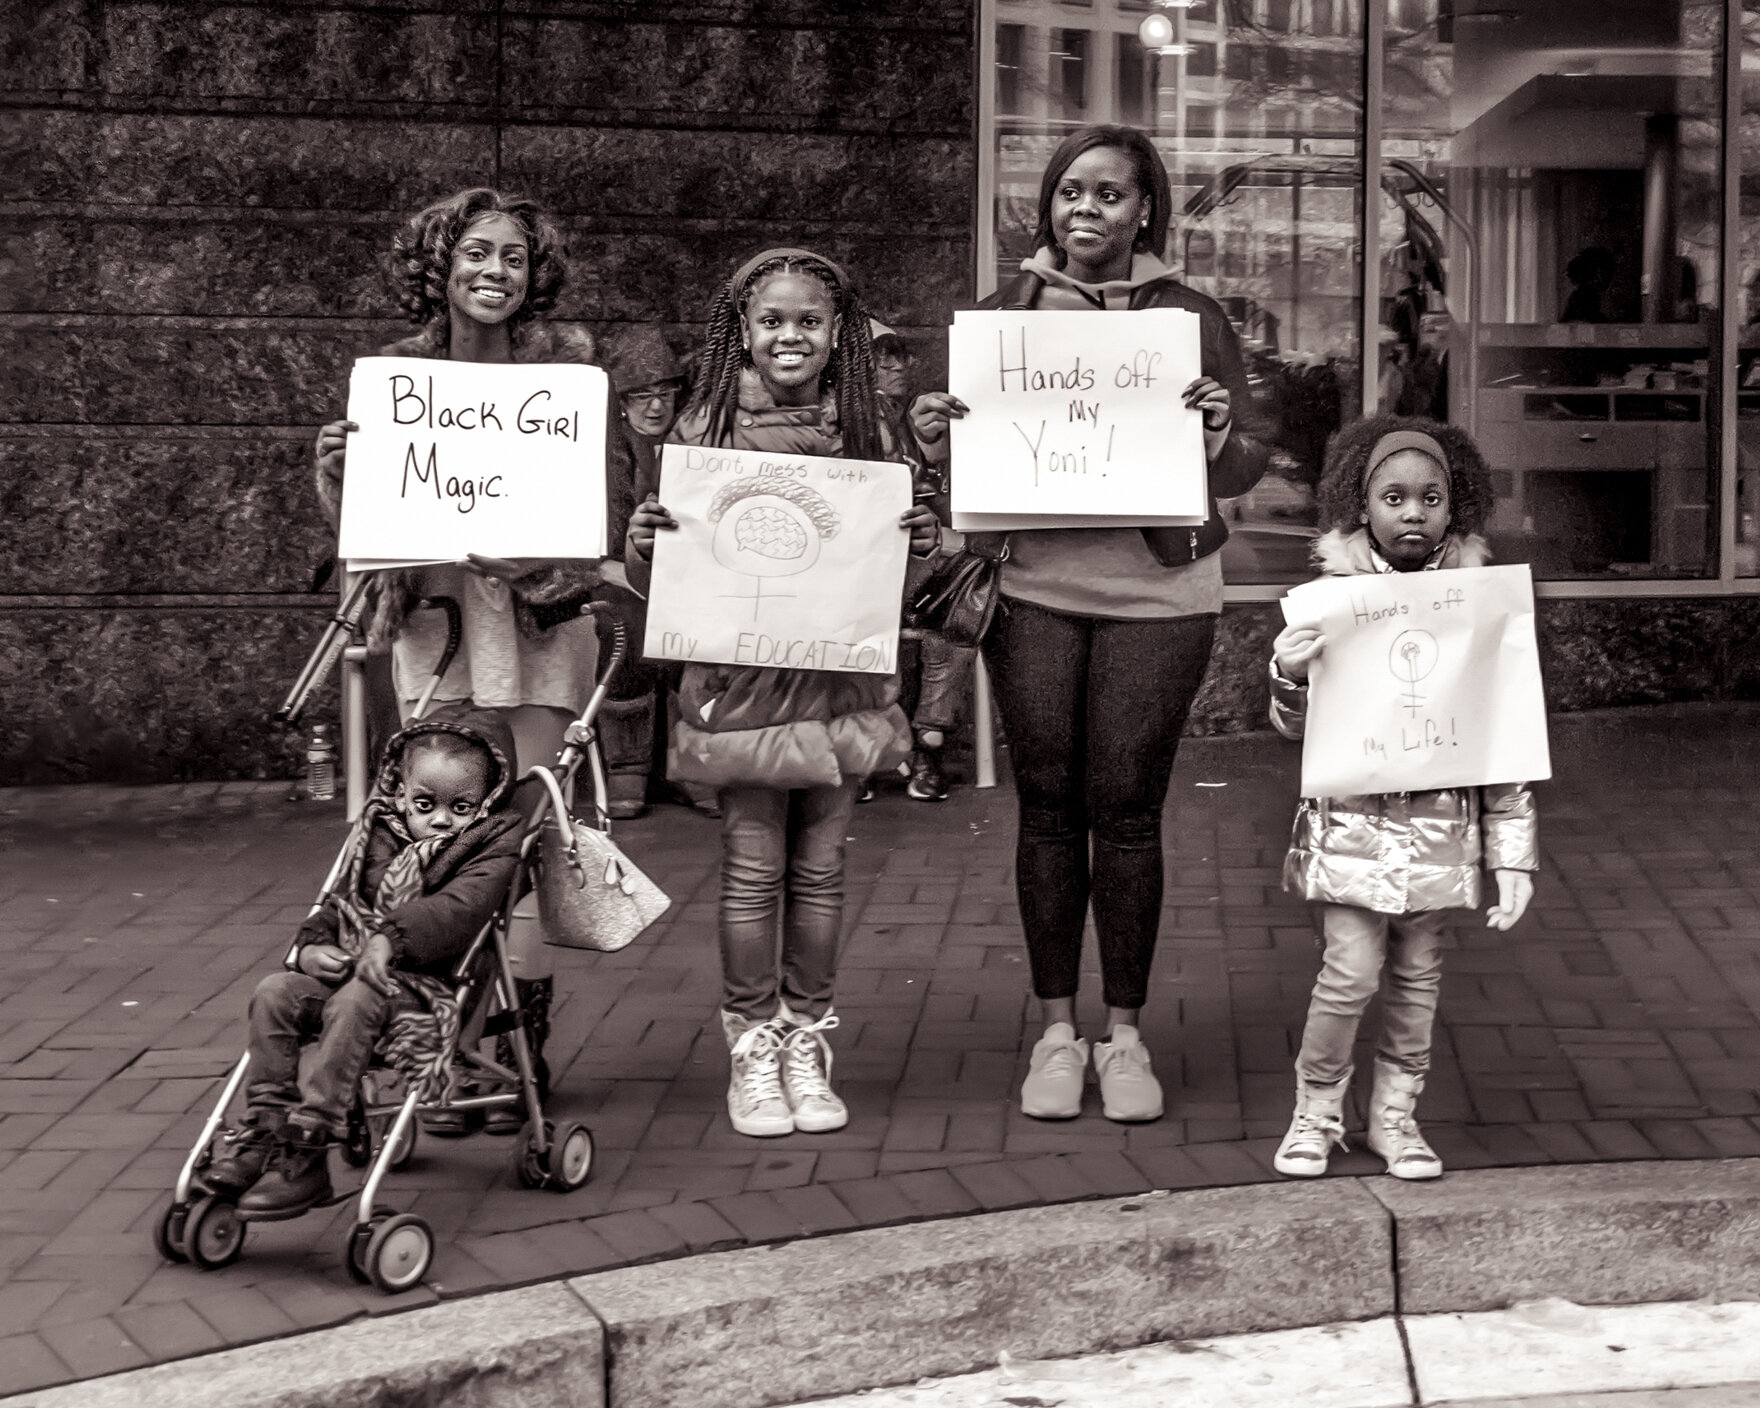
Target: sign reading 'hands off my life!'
{"points": [[1426, 680], [790, 561], [1076, 420], [453, 458]]}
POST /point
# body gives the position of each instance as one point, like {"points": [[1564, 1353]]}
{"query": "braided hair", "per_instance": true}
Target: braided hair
{"points": [[421, 257], [850, 372]]}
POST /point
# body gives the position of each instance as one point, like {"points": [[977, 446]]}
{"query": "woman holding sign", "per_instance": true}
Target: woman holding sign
{"points": [[1103, 636], [475, 271], [789, 370]]}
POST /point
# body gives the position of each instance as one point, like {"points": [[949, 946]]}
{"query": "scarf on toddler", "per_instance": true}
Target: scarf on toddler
{"points": [[419, 1039]]}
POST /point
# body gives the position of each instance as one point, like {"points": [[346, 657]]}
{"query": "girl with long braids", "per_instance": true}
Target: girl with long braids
{"points": [[788, 368]]}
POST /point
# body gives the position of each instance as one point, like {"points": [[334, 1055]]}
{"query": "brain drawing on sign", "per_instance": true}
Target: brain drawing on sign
{"points": [[769, 528]]}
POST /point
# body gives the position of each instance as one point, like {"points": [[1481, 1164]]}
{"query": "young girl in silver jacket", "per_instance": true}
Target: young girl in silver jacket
{"points": [[1397, 495]]}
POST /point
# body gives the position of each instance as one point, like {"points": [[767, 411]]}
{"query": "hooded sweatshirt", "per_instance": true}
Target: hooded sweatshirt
{"points": [[1107, 572]]}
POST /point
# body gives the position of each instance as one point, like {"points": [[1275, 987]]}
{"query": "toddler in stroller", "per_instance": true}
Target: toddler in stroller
{"points": [[405, 945], [429, 863]]}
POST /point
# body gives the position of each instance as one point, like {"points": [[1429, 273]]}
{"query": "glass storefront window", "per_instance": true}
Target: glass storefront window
{"points": [[1256, 108], [1549, 229]]}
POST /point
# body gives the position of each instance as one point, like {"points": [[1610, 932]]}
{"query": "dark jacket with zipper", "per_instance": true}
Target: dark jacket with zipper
{"points": [[1244, 455]]}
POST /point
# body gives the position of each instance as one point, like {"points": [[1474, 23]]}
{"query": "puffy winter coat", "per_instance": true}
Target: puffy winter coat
{"points": [[744, 726], [466, 880], [1400, 852]]}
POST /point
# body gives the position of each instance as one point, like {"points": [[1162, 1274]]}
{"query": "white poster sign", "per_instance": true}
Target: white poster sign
{"points": [[1076, 420], [453, 458], [782, 560], [1426, 680]]}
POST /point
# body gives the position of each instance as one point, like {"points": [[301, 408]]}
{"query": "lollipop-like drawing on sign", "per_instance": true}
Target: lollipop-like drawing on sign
{"points": [[1411, 658], [767, 527]]}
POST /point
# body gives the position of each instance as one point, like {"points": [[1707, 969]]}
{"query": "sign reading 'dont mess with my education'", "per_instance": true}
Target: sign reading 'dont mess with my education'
{"points": [[781, 560], [453, 458], [1426, 680], [1076, 420]]}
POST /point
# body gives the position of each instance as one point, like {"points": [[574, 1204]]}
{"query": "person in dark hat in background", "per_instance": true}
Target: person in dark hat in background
{"points": [[650, 384]]}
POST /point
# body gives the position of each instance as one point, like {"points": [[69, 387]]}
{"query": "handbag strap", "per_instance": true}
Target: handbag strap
{"points": [[558, 803]]}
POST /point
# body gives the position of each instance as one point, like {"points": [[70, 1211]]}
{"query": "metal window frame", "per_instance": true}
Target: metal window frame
{"points": [[1725, 583]]}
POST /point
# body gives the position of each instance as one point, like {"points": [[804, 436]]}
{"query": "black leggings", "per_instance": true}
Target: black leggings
{"points": [[1094, 710]]}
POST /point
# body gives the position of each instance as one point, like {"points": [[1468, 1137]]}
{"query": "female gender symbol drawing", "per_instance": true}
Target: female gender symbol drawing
{"points": [[767, 527], [1411, 658]]}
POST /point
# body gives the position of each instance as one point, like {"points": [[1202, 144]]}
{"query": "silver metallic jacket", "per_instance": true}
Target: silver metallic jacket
{"points": [[1400, 852]]}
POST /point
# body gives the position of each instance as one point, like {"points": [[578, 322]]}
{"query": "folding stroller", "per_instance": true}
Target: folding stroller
{"points": [[393, 1250]]}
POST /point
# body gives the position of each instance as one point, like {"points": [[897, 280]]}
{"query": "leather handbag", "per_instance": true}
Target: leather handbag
{"points": [[590, 894], [958, 600]]}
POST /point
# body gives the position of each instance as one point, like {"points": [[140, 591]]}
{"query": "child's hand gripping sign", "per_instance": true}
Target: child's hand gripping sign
{"points": [[1076, 421], [1426, 680], [459, 458], [782, 560]]}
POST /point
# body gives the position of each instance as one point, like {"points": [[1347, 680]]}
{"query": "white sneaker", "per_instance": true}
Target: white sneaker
{"points": [[755, 1100], [1316, 1127], [1128, 1088], [1055, 1074], [1393, 1131], [806, 1078]]}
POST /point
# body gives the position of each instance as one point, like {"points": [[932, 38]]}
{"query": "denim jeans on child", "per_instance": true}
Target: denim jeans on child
{"points": [[1359, 945], [289, 1008], [782, 866]]}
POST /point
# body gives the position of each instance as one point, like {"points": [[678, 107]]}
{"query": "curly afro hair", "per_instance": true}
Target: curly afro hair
{"points": [[421, 255], [1343, 495]]}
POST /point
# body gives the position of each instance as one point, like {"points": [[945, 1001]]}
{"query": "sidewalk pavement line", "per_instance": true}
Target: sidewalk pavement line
{"points": [[830, 1315]]}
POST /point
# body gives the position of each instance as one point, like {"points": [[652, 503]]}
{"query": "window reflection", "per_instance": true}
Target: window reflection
{"points": [[1549, 227], [1255, 107]]}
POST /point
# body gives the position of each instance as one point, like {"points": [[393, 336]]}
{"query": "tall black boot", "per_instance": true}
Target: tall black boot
{"points": [[534, 996]]}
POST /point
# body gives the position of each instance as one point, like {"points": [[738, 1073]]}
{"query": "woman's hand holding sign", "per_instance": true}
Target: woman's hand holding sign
{"points": [[332, 448], [1210, 397], [924, 526], [930, 414]]}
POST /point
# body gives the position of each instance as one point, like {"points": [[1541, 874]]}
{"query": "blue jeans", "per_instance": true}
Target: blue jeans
{"points": [[1360, 944], [291, 1008], [782, 868]]}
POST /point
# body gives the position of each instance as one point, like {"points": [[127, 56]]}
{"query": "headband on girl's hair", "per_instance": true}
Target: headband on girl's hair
{"points": [[745, 271], [1394, 441]]}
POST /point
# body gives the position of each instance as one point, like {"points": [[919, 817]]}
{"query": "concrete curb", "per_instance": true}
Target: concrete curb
{"points": [[829, 1315]]}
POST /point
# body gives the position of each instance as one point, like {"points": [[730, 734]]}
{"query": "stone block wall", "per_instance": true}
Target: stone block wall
{"points": [[198, 200], [199, 197]]}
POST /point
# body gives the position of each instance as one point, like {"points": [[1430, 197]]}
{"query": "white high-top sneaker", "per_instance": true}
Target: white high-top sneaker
{"points": [[1393, 1127], [755, 1100], [806, 1073], [1316, 1126]]}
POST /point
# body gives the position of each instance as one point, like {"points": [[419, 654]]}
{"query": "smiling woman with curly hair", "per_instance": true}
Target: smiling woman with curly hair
{"points": [[422, 257], [476, 271]]}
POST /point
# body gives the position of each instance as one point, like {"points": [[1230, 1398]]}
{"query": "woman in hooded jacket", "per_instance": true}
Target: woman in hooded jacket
{"points": [[1103, 635]]}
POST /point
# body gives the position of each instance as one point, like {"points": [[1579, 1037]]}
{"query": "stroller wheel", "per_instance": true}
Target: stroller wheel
{"points": [[571, 1158], [399, 1253], [355, 1254], [566, 1162], [168, 1231], [213, 1235]]}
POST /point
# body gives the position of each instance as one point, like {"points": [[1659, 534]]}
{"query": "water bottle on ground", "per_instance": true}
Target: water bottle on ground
{"points": [[321, 764]]}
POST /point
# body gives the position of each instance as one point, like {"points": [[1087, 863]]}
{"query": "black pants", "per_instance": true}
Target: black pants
{"points": [[1094, 710]]}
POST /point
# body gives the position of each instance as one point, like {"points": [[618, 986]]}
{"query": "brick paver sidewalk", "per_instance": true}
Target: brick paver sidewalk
{"points": [[1620, 1020]]}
